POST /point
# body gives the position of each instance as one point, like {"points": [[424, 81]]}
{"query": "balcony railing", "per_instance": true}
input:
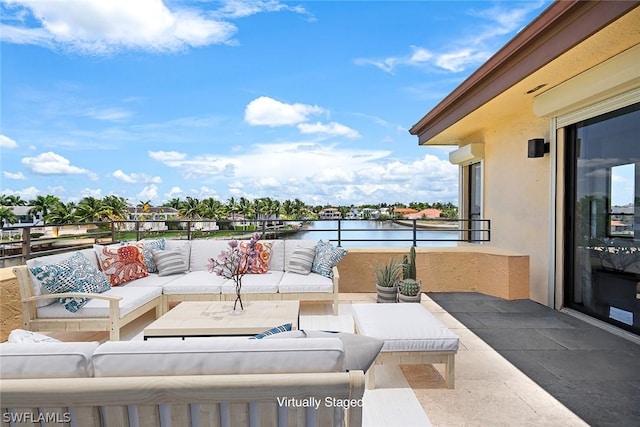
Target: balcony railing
{"points": [[19, 243]]}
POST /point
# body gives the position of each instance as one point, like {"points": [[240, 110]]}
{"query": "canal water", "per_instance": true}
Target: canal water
{"points": [[356, 233]]}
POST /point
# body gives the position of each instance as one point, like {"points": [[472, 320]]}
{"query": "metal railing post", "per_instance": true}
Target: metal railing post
{"points": [[415, 232], [339, 232], [26, 244]]}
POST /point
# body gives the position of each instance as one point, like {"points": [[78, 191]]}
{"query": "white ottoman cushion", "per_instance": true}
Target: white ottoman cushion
{"points": [[404, 327], [47, 360]]}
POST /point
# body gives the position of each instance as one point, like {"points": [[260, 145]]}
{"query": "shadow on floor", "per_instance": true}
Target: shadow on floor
{"points": [[592, 372]]}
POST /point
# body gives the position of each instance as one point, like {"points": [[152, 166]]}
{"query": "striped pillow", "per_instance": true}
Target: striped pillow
{"points": [[282, 328], [301, 260], [169, 261]]}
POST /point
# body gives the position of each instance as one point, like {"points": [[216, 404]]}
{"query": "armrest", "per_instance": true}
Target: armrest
{"points": [[73, 295], [336, 279]]}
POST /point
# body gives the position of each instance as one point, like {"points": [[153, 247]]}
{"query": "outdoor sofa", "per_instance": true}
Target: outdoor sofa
{"points": [[223, 381], [182, 275]]}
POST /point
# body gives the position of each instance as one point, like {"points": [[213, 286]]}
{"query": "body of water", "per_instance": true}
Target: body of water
{"points": [[374, 233]]}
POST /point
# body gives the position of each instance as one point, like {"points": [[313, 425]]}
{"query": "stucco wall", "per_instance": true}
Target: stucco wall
{"points": [[478, 268], [10, 311], [517, 196]]}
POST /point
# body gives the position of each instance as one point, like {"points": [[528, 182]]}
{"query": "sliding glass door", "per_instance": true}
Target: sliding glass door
{"points": [[602, 239]]}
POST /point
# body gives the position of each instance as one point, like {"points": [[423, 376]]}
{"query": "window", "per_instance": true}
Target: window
{"points": [[602, 243]]}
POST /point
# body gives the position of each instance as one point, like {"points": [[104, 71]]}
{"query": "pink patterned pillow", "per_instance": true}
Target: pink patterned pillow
{"points": [[261, 264], [121, 264]]}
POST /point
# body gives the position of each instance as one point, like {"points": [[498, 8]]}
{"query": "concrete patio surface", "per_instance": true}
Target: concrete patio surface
{"points": [[527, 364]]}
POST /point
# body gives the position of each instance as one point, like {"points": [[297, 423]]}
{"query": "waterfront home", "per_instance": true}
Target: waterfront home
{"points": [[424, 213], [330, 213], [546, 129]]}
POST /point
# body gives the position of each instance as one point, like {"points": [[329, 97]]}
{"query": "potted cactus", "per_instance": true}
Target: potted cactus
{"points": [[387, 276], [409, 287]]}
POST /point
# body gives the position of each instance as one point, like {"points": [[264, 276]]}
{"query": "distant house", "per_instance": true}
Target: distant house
{"points": [[23, 217], [424, 214], [330, 213], [542, 128], [403, 212]]}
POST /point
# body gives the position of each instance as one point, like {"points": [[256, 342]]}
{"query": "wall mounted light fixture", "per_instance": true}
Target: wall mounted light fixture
{"points": [[537, 148]]}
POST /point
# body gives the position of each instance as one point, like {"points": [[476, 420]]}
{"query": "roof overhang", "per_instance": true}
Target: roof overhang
{"points": [[568, 38]]}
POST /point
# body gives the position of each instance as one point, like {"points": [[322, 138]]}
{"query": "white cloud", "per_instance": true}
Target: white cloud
{"points": [[333, 129], [136, 178], [466, 51], [102, 27], [174, 192], [6, 142], [108, 114], [167, 156], [321, 174], [149, 192], [17, 175], [50, 163], [267, 111], [28, 193], [232, 9]]}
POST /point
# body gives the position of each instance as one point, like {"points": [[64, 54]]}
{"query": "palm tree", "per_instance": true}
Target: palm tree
{"points": [[63, 214], [246, 208], [189, 208], [43, 205], [7, 216], [115, 208], [232, 207], [173, 203], [90, 209], [299, 209], [12, 200], [288, 209], [211, 208]]}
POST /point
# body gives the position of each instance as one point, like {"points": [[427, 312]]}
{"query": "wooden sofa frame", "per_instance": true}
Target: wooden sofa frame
{"points": [[111, 324], [193, 400]]}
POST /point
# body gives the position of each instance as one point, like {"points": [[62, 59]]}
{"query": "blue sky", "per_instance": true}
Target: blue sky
{"points": [[157, 99]]}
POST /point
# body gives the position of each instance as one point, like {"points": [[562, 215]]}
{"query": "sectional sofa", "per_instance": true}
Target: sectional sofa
{"points": [[181, 275], [204, 382]]}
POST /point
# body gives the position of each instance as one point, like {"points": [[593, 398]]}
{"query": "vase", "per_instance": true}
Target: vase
{"points": [[387, 293], [238, 307]]}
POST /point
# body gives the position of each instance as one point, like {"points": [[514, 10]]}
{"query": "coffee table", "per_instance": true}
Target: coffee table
{"points": [[215, 318]]}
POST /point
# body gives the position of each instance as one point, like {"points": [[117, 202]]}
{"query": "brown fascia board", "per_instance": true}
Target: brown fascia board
{"points": [[563, 25]]}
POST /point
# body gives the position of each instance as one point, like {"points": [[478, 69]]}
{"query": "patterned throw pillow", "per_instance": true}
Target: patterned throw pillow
{"points": [[273, 331], [73, 274], [148, 246], [121, 264], [327, 257], [169, 262], [261, 264], [301, 260]]}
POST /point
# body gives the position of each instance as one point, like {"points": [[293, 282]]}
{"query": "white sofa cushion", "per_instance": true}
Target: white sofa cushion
{"points": [[194, 282], [37, 287], [202, 250], [132, 298], [266, 283], [47, 360], [153, 280], [404, 327], [300, 283], [219, 355]]}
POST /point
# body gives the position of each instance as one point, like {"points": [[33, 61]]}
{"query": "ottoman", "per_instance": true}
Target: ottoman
{"points": [[411, 335]]}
